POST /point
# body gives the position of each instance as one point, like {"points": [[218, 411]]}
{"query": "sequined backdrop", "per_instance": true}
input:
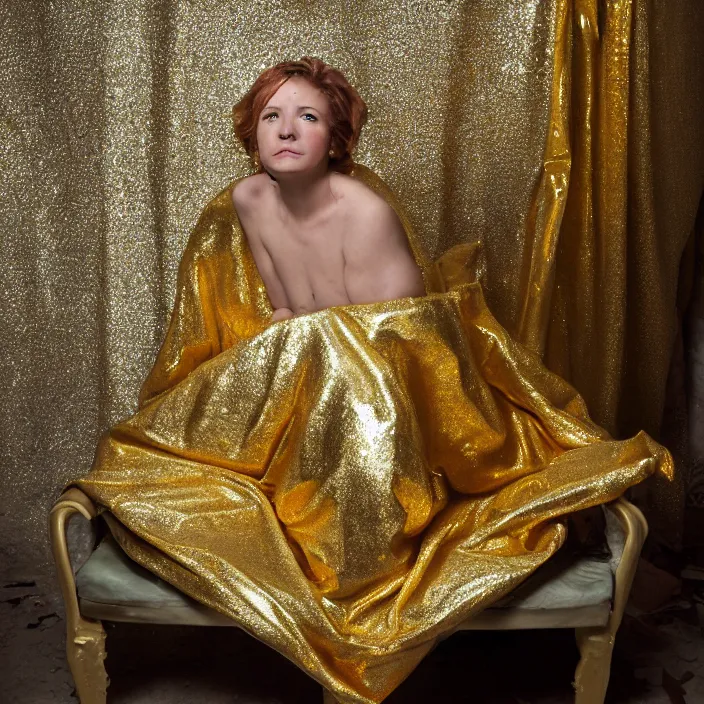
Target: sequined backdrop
{"points": [[565, 134]]}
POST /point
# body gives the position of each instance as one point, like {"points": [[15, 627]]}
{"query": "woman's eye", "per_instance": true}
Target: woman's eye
{"points": [[310, 118], [270, 116]]}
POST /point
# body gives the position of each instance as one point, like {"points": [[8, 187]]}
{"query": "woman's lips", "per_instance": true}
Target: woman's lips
{"points": [[287, 152]]}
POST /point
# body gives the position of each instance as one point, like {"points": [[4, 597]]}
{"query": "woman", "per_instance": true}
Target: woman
{"points": [[350, 484], [319, 237]]}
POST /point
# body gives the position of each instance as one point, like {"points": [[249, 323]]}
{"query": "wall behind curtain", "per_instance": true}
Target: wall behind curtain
{"points": [[561, 133]]}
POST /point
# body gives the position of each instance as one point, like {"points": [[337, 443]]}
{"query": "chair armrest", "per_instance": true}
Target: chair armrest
{"points": [[591, 678], [85, 638], [71, 502], [635, 529]]}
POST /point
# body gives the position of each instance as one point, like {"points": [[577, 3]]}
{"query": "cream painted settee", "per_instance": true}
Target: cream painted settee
{"points": [[585, 593]]}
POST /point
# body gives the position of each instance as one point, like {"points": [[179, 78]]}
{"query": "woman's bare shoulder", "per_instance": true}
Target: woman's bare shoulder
{"points": [[249, 191], [361, 199]]}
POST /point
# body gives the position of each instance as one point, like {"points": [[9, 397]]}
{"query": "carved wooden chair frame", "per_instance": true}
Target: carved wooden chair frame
{"points": [[85, 638]]}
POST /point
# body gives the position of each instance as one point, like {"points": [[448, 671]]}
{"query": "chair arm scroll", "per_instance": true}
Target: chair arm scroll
{"points": [[85, 638], [635, 528], [71, 502], [596, 644]]}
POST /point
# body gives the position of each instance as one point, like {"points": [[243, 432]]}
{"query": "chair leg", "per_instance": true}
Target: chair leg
{"points": [[85, 639], [592, 676], [85, 651]]}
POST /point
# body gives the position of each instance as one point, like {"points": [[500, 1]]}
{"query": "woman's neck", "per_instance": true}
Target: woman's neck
{"points": [[303, 197]]}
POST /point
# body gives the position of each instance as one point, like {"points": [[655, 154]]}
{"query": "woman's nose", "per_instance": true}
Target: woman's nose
{"points": [[286, 128]]}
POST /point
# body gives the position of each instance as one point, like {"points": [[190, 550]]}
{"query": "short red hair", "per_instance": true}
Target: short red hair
{"points": [[348, 112]]}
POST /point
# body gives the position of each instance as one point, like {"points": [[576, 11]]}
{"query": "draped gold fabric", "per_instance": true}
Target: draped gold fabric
{"points": [[349, 485]]}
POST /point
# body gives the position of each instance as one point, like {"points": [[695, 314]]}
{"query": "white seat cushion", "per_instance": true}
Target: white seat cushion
{"points": [[569, 591]]}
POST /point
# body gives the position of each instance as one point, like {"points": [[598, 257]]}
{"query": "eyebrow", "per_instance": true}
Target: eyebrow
{"points": [[301, 107]]}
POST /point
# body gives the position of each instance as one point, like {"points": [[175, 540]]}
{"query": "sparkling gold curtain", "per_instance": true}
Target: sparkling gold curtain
{"points": [[563, 134]]}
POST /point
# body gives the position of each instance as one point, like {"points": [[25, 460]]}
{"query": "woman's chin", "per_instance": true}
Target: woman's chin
{"points": [[292, 168]]}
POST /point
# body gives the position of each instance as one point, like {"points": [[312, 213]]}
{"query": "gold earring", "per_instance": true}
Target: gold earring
{"points": [[256, 161], [331, 153]]}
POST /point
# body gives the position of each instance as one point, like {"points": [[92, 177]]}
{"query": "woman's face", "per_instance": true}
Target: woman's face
{"points": [[293, 129]]}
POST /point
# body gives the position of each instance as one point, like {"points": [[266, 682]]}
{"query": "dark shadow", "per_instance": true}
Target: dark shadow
{"points": [[513, 667]]}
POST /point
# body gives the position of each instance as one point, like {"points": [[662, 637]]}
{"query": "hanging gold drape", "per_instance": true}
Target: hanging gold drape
{"points": [[563, 134]]}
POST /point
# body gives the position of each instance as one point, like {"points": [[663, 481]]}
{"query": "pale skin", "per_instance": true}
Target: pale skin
{"points": [[319, 238]]}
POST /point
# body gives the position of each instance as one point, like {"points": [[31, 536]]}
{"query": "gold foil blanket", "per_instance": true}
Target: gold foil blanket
{"points": [[351, 484]]}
